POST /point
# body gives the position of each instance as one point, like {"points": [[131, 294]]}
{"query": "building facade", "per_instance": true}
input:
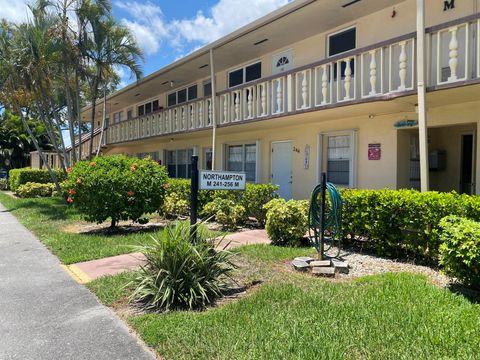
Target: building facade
{"points": [[316, 86]]}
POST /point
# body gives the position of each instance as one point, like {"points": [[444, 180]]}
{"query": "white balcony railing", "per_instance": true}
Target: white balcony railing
{"points": [[453, 57]]}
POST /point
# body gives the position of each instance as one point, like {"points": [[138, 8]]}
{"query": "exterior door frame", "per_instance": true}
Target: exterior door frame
{"points": [[474, 158], [271, 162]]}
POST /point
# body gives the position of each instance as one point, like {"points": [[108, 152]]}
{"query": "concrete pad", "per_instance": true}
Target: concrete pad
{"points": [[249, 237]]}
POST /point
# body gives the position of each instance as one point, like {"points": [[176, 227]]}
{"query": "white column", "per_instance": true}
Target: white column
{"points": [[213, 108], [422, 113]]}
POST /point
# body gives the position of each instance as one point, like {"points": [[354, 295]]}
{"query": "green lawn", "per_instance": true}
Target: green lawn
{"points": [[48, 217], [296, 316]]}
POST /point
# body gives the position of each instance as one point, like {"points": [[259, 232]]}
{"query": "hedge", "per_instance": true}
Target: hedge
{"points": [[398, 223], [22, 176], [460, 249], [31, 190], [252, 199]]}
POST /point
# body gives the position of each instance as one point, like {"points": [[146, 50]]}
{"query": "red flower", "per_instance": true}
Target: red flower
{"points": [[71, 192], [79, 181], [70, 200], [69, 170], [93, 163], [130, 193]]}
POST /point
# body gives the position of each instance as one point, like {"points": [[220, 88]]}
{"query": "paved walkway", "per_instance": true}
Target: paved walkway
{"points": [[89, 270], [44, 314]]}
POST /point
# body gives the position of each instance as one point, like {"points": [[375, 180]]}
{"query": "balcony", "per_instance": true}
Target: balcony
{"points": [[379, 71]]}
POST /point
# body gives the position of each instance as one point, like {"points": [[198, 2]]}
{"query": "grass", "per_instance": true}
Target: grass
{"points": [[296, 316], [48, 217]]}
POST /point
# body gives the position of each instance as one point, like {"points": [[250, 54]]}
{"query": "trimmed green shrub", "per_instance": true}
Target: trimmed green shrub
{"points": [[460, 249], [175, 206], [402, 222], [116, 187], [225, 212], [31, 189], [255, 197], [22, 176], [180, 274], [3, 184], [287, 221]]}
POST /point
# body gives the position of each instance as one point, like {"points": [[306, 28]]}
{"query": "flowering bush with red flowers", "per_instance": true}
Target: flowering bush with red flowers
{"points": [[108, 188]]}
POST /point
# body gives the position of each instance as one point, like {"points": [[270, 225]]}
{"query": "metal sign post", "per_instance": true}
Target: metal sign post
{"points": [[194, 199]]}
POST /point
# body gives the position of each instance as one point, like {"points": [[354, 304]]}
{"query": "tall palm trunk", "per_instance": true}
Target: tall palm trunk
{"points": [[79, 117], [94, 105], [103, 118]]}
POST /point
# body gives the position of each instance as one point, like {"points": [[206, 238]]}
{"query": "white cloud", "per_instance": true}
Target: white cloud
{"points": [[226, 16], [148, 24], [14, 10]]}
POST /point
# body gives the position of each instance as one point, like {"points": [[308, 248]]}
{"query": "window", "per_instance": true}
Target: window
{"points": [[117, 117], [178, 163], [243, 158], [339, 43], [207, 88], [148, 108], [339, 158], [245, 74], [182, 95], [129, 114], [208, 156]]}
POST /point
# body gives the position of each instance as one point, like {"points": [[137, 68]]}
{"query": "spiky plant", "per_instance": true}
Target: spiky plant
{"points": [[181, 274]]}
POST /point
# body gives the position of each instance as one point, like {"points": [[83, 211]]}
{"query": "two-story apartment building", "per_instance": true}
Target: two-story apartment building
{"points": [[326, 85]]}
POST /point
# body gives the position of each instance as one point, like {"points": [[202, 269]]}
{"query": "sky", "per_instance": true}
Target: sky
{"points": [[167, 30]]}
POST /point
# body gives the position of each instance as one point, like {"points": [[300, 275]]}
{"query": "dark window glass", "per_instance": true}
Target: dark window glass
{"points": [[192, 92], [338, 172], [207, 89], [235, 78], [182, 96], [342, 42], [141, 110], [172, 99], [253, 72], [155, 105], [148, 108], [129, 114]]}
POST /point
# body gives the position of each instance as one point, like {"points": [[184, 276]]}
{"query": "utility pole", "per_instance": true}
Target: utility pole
{"points": [[422, 112]]}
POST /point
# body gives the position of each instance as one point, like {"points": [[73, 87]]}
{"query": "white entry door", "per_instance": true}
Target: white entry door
{"points": [[282, 167]]}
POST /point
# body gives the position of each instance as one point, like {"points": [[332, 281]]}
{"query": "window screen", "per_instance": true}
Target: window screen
{"points": [[148, 108], [338, 159], [207, 88], [155, 105], [235, 78], [243, 158], [141, 110], [179, 163], [192, 92], [172, 99], [253, 72], [181, 96], [341, 42]]}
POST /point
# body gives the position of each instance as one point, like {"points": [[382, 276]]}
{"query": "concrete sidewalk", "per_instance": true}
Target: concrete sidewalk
{"points": [[45, 314]]}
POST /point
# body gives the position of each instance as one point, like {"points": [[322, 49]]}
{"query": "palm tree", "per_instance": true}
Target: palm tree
{"points": [[109, 45]]}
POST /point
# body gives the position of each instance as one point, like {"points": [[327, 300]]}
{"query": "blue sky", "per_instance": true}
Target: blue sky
{"points": [[169, 29]]}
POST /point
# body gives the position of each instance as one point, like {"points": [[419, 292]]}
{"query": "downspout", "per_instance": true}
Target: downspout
{"points": [[214, 111], [422, 112]]}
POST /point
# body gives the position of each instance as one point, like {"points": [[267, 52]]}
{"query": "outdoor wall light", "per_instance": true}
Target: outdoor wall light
{"points": [[371, 116]]}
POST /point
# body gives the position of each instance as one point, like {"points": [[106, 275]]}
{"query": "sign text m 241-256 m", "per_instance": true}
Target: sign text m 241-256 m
{"points": [[221, 180]]}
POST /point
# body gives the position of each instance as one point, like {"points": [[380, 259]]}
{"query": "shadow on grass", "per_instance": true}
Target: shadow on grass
{"points": [[124, 230], [470, 294], [52, 210]]}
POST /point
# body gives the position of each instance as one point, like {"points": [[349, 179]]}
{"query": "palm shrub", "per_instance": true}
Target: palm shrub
{"points": [[180, 274], [116, 187]]}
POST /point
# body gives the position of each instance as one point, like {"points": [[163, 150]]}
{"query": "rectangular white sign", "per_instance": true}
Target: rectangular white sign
{"points": [[222, 180]]}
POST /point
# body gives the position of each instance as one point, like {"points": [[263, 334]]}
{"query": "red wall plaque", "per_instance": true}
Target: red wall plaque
{"points": [[374, 151]]}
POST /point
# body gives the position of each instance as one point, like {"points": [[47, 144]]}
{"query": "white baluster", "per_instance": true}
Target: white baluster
{"points": [[324, 84], [209, 113], [200, 114], [279, 95], [348, 79], [236, 95], [304, 90], [453, 54], [264, 99], [225, 108], [192, 117], [250, 103], [373, 72], [402, 72]]}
